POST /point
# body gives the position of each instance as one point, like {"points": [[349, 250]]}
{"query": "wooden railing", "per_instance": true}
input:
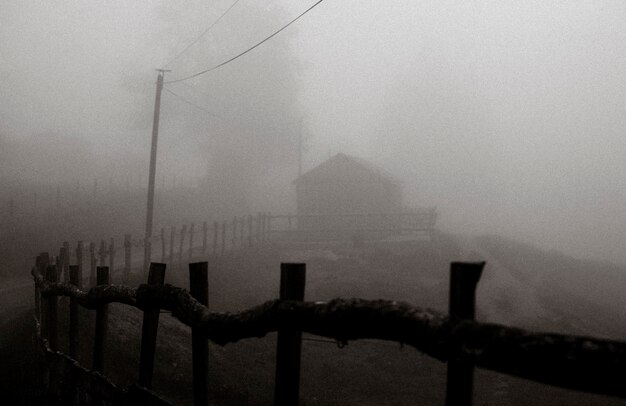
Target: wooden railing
{"points": [[349, 225], [176, 246], [574, 362]]}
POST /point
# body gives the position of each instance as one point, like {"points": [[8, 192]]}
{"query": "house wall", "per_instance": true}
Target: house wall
{"points": [[346, 196]]}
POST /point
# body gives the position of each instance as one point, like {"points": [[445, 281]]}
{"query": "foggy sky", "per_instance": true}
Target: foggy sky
{"points": [[508, 116]]}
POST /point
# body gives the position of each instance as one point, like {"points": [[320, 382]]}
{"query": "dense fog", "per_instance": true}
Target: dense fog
{"points": [[506, 116], [377, 145]]}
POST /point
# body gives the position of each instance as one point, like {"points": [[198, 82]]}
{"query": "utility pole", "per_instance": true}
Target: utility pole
{"points": [[151, 177], [300, 151]]}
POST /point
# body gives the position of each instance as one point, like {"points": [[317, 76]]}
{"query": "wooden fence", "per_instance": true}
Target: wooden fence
{"points": [[175, 246], [341, 226], [575, 362], [178, 246]]}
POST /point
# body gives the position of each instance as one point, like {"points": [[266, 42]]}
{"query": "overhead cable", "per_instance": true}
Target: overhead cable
{"points": [[201, 35], [247, 50], [192, 103]]}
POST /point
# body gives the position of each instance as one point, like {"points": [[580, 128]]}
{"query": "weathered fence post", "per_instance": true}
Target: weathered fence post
{"points": [[172, 239], [199, 289], [128, 249], [79, 258], [289, 342], [264, 228], [58, 261], [269, 225], [156, 276], [204, 236], [102, 278], [215, 231], [76, 280], [92, 264], [65, 262], [103, 253], [52, 276], [223, 237], [112, 255], [191, 233], [249, 231], [163, 244], [234, 236], [242, 230], [43, 260], [37, 293], [183, 231], [464, 277], [258, 228]]}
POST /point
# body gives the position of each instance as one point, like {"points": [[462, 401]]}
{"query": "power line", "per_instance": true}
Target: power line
{"points": [[192, 103], [247, 50], [201, 35]]}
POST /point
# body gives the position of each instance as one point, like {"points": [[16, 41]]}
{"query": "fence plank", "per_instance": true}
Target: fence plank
{"points": [[289, 342], [162, 244], [199, 289], [249, 231], [51, 312], [191, 233], [79, 258], [223, 237], [204, 237], [76, 280], [172, 239], [234, 236], [128, 249], [102, 278], [37, 291], [464, 277], [42, 267], [263, 225], [242, 229], [60, 264], [149, 328], [65, 262], [215, 231], [103, 253], [92, 263], [183, 231], [112, 255]]}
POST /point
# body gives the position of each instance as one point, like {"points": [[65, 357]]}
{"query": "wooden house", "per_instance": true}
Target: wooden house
{"points": [[347, 194]]}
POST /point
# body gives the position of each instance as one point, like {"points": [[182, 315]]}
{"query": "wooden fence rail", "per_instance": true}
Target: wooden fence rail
{"points": [[574, 362], [222, 238], [225, 237], [418, 222]]}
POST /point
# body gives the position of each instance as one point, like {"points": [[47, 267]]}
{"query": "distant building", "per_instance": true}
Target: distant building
{"points": [[346, 193]]}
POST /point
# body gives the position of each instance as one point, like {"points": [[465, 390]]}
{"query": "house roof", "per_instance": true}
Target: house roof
{"points": [[345, 165]]}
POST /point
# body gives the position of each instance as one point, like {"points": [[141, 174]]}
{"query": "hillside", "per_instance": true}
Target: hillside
{"points": [[529, 287]]}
